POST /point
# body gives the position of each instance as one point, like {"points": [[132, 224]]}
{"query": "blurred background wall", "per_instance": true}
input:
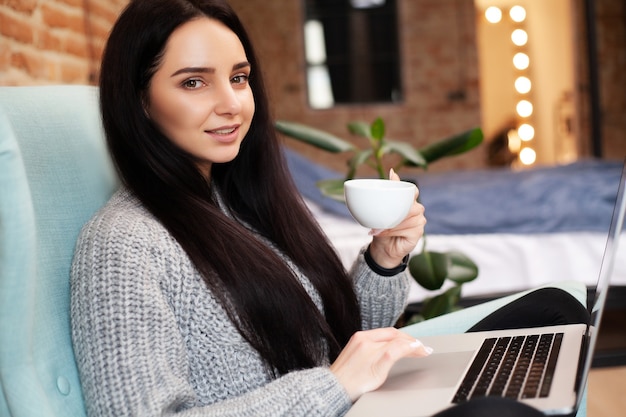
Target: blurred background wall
{"points": [[455, 69]]}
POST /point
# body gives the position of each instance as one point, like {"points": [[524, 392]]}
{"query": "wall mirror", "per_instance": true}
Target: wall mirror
{"points": [[352, 53]]}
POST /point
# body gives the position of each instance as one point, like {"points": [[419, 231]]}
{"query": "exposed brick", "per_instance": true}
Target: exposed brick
{"points": [[73, 3], [99, 28], [28, 61], [45, 41], [15, 27], [52, 70], [48, 40], [76, 46], [55, 16], [23, 6], [106, 10], [74, 72], [5, 57]]}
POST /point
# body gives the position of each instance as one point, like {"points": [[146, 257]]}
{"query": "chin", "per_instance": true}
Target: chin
{"points": [[225, 157]]}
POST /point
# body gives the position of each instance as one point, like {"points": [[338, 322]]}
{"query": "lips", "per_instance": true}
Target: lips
{"points": [[224, 134], [225, 131]]}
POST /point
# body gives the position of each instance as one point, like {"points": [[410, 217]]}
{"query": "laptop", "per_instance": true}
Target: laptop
{"points": [[460, 367]]}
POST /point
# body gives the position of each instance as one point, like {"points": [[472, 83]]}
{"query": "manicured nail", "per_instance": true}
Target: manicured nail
{"points": [[375, 232], [391, 172], [416, 344]]}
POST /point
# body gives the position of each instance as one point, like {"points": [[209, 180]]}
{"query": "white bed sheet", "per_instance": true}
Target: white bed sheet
{"points": [[506, 262]]}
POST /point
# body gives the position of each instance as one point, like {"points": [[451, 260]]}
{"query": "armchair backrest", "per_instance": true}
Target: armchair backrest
{"points": [[55, 173]]}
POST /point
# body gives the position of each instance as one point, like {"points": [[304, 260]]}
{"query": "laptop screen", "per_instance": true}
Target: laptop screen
{"points": [[599, 293]]}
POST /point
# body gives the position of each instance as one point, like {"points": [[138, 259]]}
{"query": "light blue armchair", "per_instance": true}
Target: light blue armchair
{"points": [[54, 174]]}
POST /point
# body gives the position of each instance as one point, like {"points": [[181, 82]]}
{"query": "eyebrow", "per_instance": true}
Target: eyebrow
{"points": [[207, 70]]}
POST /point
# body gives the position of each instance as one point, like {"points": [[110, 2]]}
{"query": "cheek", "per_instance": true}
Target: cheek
{"points": [[172, 115], [249, 107]]}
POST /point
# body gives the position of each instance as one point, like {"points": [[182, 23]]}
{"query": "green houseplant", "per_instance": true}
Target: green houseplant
{"points": [[430, 269]]}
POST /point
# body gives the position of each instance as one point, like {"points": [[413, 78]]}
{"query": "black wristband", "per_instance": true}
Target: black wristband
{"points": [[385, 272]]}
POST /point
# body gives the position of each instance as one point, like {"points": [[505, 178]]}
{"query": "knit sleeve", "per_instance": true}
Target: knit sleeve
{"points": [[131, 354], [382, 299]]}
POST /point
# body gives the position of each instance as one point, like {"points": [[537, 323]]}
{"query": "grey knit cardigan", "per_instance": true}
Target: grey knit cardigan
{"points": [[151, 340]]}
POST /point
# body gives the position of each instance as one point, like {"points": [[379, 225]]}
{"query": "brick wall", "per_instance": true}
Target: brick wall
{"points": [[61, 41], [430, 31], [430, 71], [53, 41]]}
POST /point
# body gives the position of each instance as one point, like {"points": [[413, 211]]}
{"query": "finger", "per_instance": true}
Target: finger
{"points": [[414, 219], [375, 232], [382, 334], [392, 352], [422, 349], [393, 176], [399, 347]]}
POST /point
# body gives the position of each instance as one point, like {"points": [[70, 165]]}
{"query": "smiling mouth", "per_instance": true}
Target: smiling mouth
{"points": [[223, 131]]}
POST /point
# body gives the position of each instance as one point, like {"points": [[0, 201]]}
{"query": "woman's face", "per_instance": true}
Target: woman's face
{"points": [[199, 97]]}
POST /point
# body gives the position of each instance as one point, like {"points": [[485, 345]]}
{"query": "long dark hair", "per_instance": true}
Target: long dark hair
{"points": [[262, 296]]}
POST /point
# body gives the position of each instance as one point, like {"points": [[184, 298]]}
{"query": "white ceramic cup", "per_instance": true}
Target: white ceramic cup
{"points": [[379, 203]]}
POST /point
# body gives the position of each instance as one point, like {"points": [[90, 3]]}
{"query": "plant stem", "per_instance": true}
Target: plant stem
{"points": [[379, 164]]}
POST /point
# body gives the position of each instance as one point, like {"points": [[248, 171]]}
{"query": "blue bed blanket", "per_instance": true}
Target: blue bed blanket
{"points": [[567, 198]]}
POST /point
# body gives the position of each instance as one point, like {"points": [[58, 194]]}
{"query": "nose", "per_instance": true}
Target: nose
{"points": [[228, 101]]}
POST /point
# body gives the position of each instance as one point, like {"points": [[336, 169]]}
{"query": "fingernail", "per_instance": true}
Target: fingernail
{"points": [[391, 172], [416, 344], [375, 232]]}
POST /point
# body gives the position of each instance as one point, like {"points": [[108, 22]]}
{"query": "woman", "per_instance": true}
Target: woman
{"points": [[204, 287], [204, 284]]}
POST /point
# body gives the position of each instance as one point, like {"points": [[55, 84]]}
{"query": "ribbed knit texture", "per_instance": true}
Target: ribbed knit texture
{"points": [[151, 340]]}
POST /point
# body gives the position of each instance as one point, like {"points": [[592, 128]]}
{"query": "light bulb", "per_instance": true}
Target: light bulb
{"points": [[493, 14], [517, 13], [521, 61], [526, 132], [519, 37], [522, 85], [524, 108], [528, 156]]}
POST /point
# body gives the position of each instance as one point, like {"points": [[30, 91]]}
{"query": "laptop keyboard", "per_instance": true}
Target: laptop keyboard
{"points": [[516, 367]]}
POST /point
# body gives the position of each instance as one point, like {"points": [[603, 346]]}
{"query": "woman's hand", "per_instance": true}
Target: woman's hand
{"points": [[364, 364], [389, 246]]}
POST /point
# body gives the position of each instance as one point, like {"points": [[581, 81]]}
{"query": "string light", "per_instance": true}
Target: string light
{"points": [[527, 156], [524, 108], [493, 14], [519, 139], [521, 61], [522, 84], [519, 37], [518, 14], [526, 132]]}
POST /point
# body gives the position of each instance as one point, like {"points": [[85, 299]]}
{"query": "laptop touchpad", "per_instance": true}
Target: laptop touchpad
{"points": [[435, 371]]}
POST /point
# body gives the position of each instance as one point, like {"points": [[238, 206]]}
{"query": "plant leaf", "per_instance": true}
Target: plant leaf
{"points": [[462, 269], [360, 129], [357, 160], [441, 304], [408, 152], [332, 188], [429, 269], [315, 137], [452, 145], [378, 129]]}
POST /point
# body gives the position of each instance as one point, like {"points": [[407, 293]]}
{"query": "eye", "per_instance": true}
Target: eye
{"points": [[192, 83], [240, 79]]}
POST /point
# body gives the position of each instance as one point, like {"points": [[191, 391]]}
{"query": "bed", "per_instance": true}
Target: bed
{"points": [[522, 228]]}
